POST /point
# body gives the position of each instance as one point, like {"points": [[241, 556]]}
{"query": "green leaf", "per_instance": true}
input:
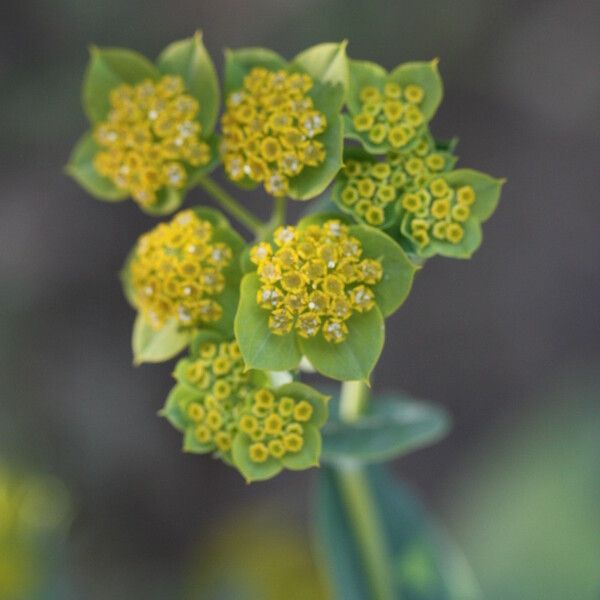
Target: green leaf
{"points": [[487, 190], [260, 348], [238, 63], [168, 200], [393, 425], [327, 65], [81, 168], [252, 471], [362, 74], [153, 346], [424, 563], [178, 398], [313, 180], [107, 69], [398, 270], [425, 75], [356, 356], [190, 59], [308, 456]]}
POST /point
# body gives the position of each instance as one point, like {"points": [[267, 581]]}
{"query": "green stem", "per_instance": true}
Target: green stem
{"points": [[277, 218], [360, 503], [231, 205]]}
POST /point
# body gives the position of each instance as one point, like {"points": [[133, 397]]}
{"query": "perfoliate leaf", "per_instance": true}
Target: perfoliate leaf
{"points": [[392, 426], [190, 59], [81, 168], [152, 346], [107, 69], [423, 563]]}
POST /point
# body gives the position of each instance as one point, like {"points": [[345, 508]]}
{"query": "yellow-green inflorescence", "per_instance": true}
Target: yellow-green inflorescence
{"points": [[177, 272], [437, 211], [390, 114], [274, 425], [271, 130], [370, 189], [219, 383], [149, 137], [217, 399], [314, 279]]}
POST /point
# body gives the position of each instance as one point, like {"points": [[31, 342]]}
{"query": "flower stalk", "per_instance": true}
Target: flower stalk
{"points": [[230, 204], [360, 503]]}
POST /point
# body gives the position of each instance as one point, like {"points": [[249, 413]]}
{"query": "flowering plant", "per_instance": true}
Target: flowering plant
{"points": [[309, 296]]}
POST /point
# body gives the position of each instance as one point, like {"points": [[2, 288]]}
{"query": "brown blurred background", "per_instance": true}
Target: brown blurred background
{"points": [[488, 338]]}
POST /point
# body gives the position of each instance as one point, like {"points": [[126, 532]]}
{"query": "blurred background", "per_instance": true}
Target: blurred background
{"points": [[508, 342]]}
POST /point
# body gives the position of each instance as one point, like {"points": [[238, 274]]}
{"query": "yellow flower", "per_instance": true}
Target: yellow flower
{"points": [[150, 134], [271, 129], [177, 270], [314, 279]]}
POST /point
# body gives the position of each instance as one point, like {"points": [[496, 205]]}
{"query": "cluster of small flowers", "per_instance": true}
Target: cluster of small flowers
{"points": [[439, 211], [270, 129], [274, 425], [176, 269], [218, 373], [371, 186], [393, 115], [150, 132], [314, 280]]}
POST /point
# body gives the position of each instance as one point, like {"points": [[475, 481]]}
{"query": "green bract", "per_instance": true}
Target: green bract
{"points": [[276, 155], [300, 411], [357, 354], [237, 415], [464, 200], [383, 114], [164, 275], [110, 68], [369, 187]]}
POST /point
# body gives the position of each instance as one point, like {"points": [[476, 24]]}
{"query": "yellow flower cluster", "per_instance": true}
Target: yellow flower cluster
{"points": [[218, 372], [371, 186], [150, 133], [270, 129], [176, 271], [392, 115], [314, 279], [439, 211], [274, 425]]}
